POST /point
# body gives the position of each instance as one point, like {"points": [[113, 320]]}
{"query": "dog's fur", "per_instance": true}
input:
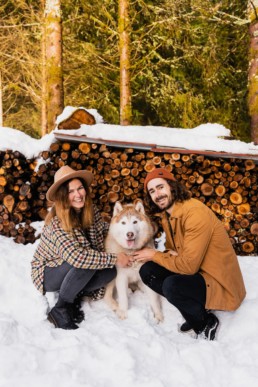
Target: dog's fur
{"points": [[130, 230]]}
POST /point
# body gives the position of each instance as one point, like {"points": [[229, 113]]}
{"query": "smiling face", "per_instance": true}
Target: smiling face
{"points": [[160, 193], [77, 194], [130, 227]]}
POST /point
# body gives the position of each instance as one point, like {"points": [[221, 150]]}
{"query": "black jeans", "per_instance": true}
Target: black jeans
{"points": [[186, 292], [70, 281]]}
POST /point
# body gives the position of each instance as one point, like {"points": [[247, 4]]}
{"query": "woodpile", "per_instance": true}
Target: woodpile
{"points": [[227, 186]]}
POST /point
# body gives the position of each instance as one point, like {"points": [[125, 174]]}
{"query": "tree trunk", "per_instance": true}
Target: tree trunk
{"points": [[1, 101], [253, 69], [53, 29], [44, 123], [124, 36]]}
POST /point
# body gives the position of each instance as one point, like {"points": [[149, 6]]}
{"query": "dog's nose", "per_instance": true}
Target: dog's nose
{"points": [[130, 235]]}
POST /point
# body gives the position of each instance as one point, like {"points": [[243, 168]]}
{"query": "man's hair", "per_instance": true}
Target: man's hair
{"points": [[179, 194], [67, 215]]}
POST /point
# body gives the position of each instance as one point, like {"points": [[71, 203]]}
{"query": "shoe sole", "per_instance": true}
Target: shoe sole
{"points": [[52, 320], [217, 328], [213, 331]]}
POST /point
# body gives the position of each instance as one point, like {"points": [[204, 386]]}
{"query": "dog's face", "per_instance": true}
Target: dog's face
{"points": [[130, 226]]}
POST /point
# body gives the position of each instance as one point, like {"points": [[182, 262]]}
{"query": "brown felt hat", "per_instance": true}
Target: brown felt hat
{"points": [[158, 173], [64, 174]]}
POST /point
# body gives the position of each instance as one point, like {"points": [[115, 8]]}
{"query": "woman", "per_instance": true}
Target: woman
{"points": [[70, 257]]}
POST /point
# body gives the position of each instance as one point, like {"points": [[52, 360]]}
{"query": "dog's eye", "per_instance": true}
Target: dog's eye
{"points": [[123, 222], [135, 221]]}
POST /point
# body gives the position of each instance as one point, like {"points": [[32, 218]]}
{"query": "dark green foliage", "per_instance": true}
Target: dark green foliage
{"points": [[189, 62], [20, 66]]}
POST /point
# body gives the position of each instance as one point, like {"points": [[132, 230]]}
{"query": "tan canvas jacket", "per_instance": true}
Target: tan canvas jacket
{"points": [[203, 245]]}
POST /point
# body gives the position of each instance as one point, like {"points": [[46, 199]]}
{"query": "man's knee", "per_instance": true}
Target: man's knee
{"points": [[145, 271], [171, 288]]}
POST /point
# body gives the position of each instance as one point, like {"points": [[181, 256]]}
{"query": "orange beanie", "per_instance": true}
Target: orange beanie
{"points": [[158, 173]]}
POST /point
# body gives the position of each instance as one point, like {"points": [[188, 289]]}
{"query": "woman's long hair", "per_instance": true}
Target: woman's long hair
{"points": [[67, 215], [179, 194]]}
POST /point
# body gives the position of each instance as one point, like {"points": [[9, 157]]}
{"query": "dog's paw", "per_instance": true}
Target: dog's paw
{"points": [[122, 314]]}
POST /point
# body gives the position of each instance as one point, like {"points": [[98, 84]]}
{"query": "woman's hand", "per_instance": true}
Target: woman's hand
{"points": [[144, 255], [123, 260]]}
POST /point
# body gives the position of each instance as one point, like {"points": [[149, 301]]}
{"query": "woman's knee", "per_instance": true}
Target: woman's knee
{"points": [[111, 274]]}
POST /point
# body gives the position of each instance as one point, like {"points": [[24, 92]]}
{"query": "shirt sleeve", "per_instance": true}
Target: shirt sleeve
{"points": [[197, 231], [104, 226], [71, 251]]}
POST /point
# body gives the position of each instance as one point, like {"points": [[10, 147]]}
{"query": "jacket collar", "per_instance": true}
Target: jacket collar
{"points": [[176, 212]]}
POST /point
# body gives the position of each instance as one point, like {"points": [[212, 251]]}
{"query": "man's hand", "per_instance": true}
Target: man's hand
{"points": [[123, 260], [144, 255]]}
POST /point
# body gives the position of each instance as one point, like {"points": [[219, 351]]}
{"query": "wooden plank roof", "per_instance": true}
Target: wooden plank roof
{"points": [[153, 147]]}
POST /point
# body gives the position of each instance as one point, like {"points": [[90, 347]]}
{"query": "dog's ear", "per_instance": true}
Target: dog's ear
{"points": [[117, 208], [139, 206]]}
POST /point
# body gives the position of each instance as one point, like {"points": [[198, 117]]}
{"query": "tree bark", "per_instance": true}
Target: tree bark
{"points": [[44, 123], [1, 101], [253, 69], [124, 39], [55, 93]]}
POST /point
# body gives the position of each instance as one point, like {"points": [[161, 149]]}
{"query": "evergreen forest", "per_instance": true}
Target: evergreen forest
{"points": [[189, 62]]}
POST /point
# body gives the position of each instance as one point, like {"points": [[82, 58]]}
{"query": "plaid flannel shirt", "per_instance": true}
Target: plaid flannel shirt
{"points": [[81, 250]]}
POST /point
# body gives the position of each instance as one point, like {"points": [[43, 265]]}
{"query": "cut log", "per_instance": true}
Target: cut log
{"points": [[224, 201], [84, 147], [254, 228], [227, 167], [215, 207], [244, 223], [207, 189], [3, 181], [66, 146], [249, 164], [176, 156], [199, 179], [22, 206], [112, 196], [233, 185], [243, 208], [24, 190], [80, 116], [9, 202], [236, 198], [248, 247], [149, 167], [220, 190], [125, 172]]}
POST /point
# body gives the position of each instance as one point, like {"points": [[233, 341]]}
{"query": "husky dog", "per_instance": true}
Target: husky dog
{"points": [[130, 230]]}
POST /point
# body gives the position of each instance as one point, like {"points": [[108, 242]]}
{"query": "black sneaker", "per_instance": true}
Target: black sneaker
{"points": [[210, 329], [185, 327]]}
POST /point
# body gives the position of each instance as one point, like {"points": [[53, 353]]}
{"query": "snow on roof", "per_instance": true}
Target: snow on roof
{"points": [[205, 137]]}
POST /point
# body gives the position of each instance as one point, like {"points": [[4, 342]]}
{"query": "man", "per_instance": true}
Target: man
{"points": [[199, 271]]}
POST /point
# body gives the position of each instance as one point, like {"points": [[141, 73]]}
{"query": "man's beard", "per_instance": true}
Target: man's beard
{"points": [[169, 203]]}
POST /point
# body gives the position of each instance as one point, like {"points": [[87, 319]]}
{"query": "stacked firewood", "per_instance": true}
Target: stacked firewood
{"points": [[227, 186], [16, 194]]}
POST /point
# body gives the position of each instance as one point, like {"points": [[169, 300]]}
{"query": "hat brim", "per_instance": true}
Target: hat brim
{"points": [[86, 176]]}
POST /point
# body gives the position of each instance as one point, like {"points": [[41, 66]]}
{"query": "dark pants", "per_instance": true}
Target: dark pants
{"points": [[186, 292], [70, 281]]}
